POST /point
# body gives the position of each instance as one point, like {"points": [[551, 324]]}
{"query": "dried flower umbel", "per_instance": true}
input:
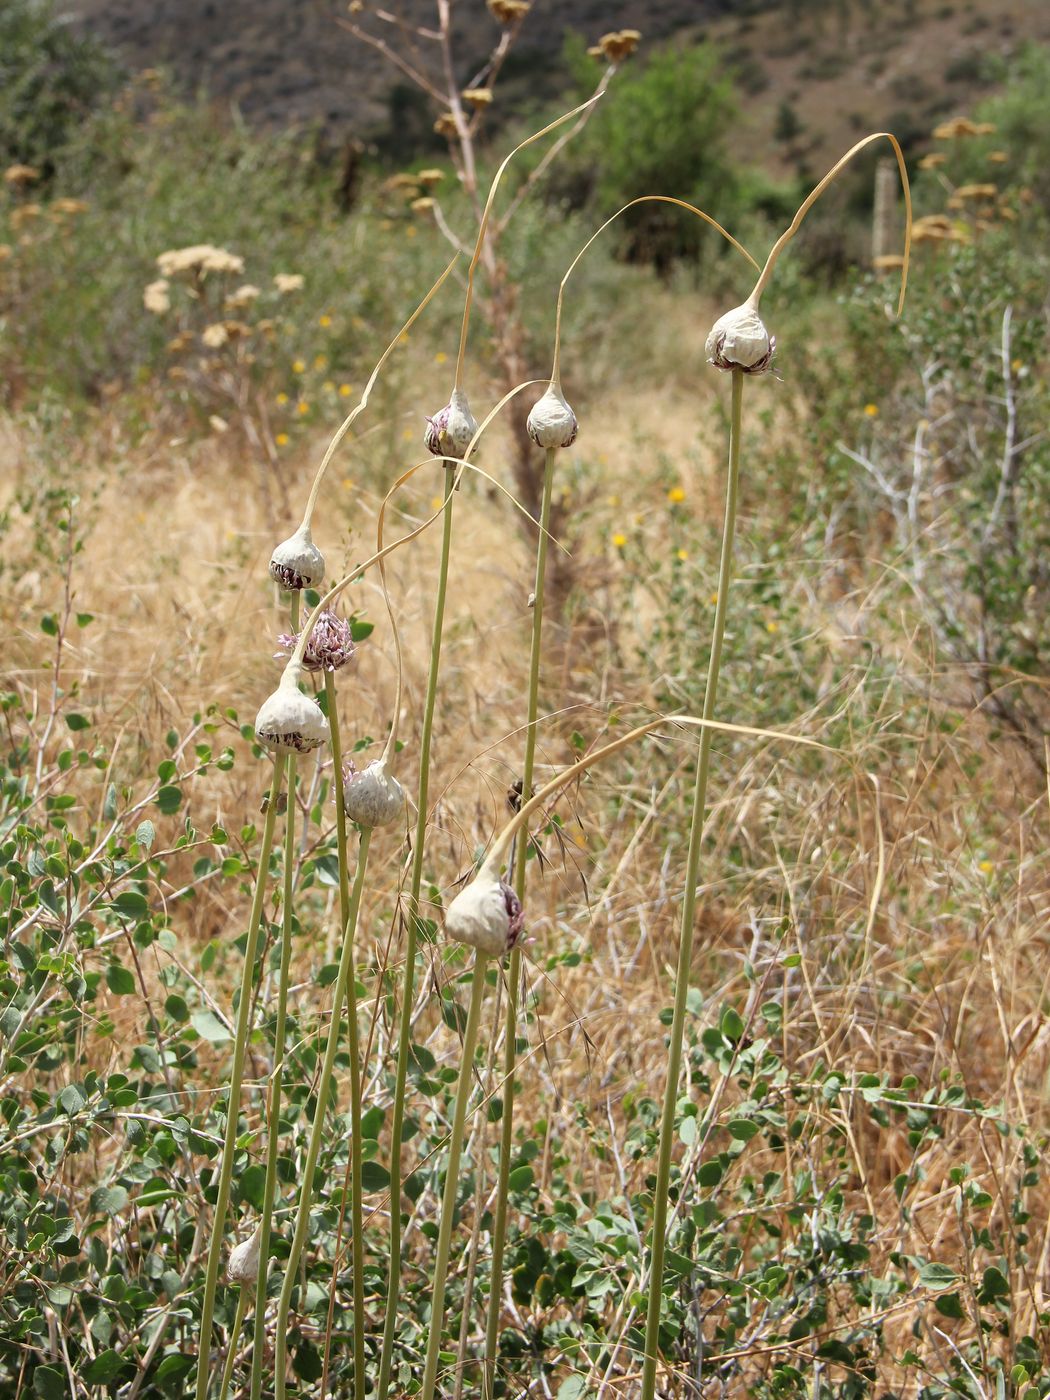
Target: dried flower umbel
{"points": [[329, 646], [297, 563], [289, 721], [451, 430]]}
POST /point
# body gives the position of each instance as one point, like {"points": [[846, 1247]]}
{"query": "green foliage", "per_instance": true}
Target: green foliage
{"points": [[51, 80], [660, 128]]}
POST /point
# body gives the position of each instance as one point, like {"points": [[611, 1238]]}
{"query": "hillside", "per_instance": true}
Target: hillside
{"points": [[812, 74]]}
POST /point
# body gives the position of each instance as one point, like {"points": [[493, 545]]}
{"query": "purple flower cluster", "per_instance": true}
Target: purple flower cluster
{"points": [[329, 646]]}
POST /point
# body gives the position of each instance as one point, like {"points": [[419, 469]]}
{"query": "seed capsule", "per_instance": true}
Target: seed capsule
{"points": [[297, 562], [552, 422], [289, 721], [450, 431], [372, 797], [487, 915], [739, 340]]}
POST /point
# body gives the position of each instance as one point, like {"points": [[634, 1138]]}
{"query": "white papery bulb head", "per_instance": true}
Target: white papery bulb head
{"points": [[552, 422], [739, 340], [450, 431], [289, 721], [487, 915], [243, 1264], [372, 797], [297, 562]]}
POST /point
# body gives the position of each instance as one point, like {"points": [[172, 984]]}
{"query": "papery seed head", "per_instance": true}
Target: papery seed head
{"points": [[289, 721], [329, 645], [372, 797], [739, 340], [552, 423], [449, 432], [297, 562], [243, 1264], [487, 915]]}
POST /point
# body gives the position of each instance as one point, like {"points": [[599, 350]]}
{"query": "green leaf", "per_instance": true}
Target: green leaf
{"points": [[169, 799], [950, 1305], [374, 1177], [252, 1184], [994, 1284], [76, 722], [104, 1368], [132, 903], [120, 980], [72, 1099], [934, 1276], [108, 1200], [48, 626], [209, 1027], [49, 1382], [175, 1364], [145, 835], [709, 1173], [743, 1129], [521, 1178], [731, 1026], [573, 1388], [360, 630]]}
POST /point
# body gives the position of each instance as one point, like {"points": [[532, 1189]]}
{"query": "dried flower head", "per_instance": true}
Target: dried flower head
{"points": [[243, 1264], [487, 915], [372, 797], [423, 205], [289, 721], [430, 177], [953, 129], [243, 296], [552, 423], [509, 11], [739, 340], [297, 562], [69, 206], [18, 176], [446, 125], [288, 282], [933, 161], [155, 297], [329, 645], [450, 431], [478, 97], [199, 258], [215, 335], [617, 46]]}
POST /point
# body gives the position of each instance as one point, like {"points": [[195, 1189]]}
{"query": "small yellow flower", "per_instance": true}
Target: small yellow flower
{"points": [[619, 539], [298, 366], [436, 502], [986, 867], [281, 439], [302, 408], [683, 555], [714, 600], [282, 398], [347, 483], [676, 495], [324, 321], [440, 358], [871, 410], [320, 362], [328, 386], [1016, 365], [612, 500], [772, 626], [403, 338], [345, 391], [411, 231]]}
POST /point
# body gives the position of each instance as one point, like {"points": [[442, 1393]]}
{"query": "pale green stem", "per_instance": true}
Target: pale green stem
{"points": [[277, 1077], [499, 1227], [273, 1133], [344, 990], [404, 1041], [348, 919], [448, 1199], [685, 947], [240, 1043], [231, 1353]]}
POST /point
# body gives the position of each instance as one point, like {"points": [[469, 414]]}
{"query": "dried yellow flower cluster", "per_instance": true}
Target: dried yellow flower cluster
{"points": [[200, 258], [617, 46], [19, 175], [962, 126], [509, 11]]}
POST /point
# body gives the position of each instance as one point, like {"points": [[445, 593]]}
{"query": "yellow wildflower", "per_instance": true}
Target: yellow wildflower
{"points": [[320, 362], [440, 358], [619, 539], [683, 555], [324, 321], [281, 439], [345, 391], [871, 410], [282, 398], [298, 366], [302, 408], [986, 867], [676, 495]]}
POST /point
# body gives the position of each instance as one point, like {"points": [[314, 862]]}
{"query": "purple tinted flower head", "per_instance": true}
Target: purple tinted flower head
{"points": [[329, 645], [515, 914], [450, 431]]}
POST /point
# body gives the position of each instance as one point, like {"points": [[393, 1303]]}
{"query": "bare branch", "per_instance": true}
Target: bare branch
{"points": [[392, 56]]}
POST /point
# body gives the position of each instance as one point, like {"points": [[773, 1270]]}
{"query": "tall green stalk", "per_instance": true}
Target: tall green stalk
{"points": [[685, 947], [448, 1198], [348, 917], [222, 1201], [343, 991], [404, 1041], [499, 1227], [231, 1350], [276, 1086]]}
